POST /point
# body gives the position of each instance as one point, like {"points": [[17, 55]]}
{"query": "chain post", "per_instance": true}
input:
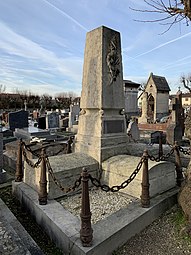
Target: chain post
{"points": [[86, 231], [145, 198], [69, 147], [160, 145], [42, 196], [19, 164], [178, 165]]}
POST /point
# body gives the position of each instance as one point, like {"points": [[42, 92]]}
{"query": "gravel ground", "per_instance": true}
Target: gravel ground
{"points": [[165, 236], [102, 204]]}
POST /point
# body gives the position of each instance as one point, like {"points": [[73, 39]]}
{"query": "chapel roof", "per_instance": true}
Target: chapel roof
{"points": [[160, 82]]}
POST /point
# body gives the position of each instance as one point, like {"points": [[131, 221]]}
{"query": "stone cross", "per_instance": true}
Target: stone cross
{"points": [[25, 103]]}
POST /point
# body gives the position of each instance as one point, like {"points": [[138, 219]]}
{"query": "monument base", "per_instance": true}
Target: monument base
{"points": [[102, 148], [101, 134]]}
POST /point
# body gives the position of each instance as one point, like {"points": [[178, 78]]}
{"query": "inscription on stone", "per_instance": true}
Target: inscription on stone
{"points": [[113, 126]]}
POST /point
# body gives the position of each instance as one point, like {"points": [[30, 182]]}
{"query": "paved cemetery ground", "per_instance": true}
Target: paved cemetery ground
{"points": [[164, 237]]}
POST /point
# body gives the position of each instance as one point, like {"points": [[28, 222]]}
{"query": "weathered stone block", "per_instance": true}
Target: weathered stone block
{"points": [[67, 169], [117, 169]]}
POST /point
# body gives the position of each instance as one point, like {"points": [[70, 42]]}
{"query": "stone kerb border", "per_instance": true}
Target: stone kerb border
{"points": [[109, 234]]}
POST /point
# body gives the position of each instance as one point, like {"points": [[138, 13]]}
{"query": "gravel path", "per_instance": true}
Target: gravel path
{"points": [[162, 237]]}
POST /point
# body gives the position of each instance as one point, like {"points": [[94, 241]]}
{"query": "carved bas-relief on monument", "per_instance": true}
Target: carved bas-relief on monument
{"points": [[113, 60], [102, 129]]}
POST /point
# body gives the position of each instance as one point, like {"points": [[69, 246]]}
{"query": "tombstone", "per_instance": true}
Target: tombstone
{"points": [[52, 120], [35, 115], [102, 126], [144, 115], [2, 171], [18, 119], [5, 117], [31, 132], [73, 115], [175, 127], [42, 122], [155, 136], [133, 130], [25, 104]]}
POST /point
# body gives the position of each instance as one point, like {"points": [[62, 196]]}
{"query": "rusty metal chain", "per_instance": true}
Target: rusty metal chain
{"points": [[76, 185], [170, 145], [185, 152], [161, 158], [29, 162], [27, 147], [116, 188]]}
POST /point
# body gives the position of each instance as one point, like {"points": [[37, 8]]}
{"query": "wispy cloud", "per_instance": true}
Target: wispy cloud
{"points": [[178, 62], [16, 45], [66, 15], [163, 44]]}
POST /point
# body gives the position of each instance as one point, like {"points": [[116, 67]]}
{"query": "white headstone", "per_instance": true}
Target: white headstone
{"points": [[133, 130]]}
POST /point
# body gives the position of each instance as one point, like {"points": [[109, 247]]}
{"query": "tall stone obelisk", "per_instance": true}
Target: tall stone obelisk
{"points": [[102, 127]]}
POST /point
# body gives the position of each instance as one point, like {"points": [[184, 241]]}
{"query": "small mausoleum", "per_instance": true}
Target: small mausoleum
{"points": [[155, 99]]}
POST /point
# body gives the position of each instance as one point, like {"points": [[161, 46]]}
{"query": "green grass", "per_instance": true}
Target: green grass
{"points": [[180, 223]]}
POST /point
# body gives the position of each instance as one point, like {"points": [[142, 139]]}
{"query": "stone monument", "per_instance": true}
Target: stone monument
{"points": [[174, 131], [102, 127]]}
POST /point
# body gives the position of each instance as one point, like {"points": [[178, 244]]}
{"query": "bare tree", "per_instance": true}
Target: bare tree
{"points": [[2, 88], [186, 81], [173, 11], [142, 86]]}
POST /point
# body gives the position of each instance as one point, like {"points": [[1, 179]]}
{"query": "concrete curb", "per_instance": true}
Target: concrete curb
{"points": [[20, 242], [108, 235]]}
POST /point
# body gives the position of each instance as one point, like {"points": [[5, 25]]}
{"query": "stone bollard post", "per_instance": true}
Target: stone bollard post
{"points": [[19, 164], [145, 198], [160, 146], [42, 196], [178, 165], [86, 231]]}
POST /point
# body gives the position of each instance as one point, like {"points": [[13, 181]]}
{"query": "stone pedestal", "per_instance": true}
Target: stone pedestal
{"points": [[173, 133], [102, 127]]}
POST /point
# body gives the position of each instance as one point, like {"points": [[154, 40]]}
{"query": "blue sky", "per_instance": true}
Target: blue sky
{"points": [[42, 43]]}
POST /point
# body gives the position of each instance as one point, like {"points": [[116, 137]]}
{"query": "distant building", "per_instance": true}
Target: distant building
{"points": [[186, 100], [156, 95], [131, 93]]}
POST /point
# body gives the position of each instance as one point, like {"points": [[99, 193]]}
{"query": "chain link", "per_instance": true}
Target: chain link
{"points": [[28, 148], [29, 162], [161, 158], [76, 185], [116, 188], [185, 152]]}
